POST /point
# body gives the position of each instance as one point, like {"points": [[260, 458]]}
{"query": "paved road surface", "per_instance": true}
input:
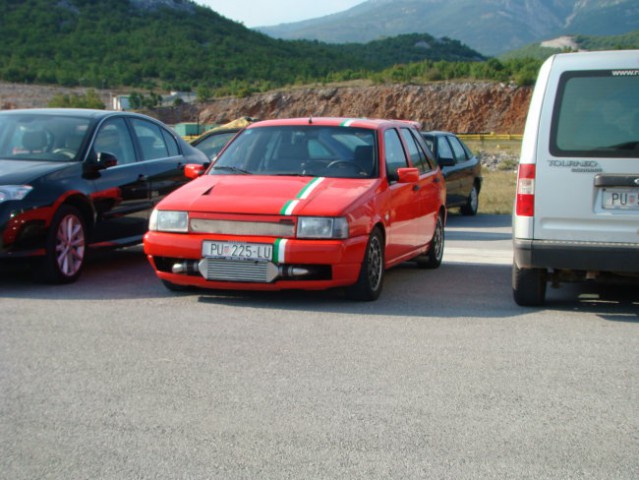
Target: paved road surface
{"points": [[443, 377]]}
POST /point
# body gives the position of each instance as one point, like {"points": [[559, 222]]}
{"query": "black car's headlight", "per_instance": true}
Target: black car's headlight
{"points": [[169, 221], [322, 227], [14, 192]]}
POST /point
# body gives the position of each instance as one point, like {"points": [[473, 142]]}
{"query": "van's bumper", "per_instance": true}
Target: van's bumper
{"points": [[568, 255]]}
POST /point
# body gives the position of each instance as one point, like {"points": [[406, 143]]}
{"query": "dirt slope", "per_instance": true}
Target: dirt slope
{"points": [[458, 107], [462, 107]]}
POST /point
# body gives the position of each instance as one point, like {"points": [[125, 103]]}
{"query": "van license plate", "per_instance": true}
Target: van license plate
{"points": [[237, 250], [621, 199]]}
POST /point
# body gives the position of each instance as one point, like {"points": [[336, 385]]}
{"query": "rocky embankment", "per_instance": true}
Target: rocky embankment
{"points": [[461, 107], [458, 107]]}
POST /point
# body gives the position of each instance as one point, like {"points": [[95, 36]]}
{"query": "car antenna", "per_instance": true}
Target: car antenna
{"points": [[310, 120]]}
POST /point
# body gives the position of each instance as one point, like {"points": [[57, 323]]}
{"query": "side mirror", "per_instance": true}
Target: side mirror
{"points": [[446, 161], [105, 160], [99, 161], [407, 175], [194, 170]]}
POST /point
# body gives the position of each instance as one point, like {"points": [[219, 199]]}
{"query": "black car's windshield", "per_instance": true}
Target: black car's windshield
{"points": [[312, 150], [33, 136]]}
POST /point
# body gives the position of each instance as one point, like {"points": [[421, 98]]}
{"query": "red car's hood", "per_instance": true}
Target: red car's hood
{"points": [[262, 195]]}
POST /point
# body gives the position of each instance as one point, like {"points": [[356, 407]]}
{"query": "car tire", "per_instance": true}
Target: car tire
{"points": [[371, 275], [529, 286], [65, 247], [433, 258], [472, 202]]}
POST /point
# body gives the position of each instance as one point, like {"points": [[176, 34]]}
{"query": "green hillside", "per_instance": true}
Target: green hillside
{"points": [[584, 42], [176, 44]]}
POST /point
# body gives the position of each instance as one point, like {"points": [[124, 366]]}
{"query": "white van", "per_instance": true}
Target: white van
{"points": [[576, 213]]}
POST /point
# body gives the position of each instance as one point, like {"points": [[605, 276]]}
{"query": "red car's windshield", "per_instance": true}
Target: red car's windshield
{"points": [[307, 150]]}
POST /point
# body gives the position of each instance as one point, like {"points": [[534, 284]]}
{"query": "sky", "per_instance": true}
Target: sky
{"points": [[264, 13]]}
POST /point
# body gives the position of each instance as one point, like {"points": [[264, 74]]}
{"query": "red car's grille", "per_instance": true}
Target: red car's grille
{"points": [[281, 229]]}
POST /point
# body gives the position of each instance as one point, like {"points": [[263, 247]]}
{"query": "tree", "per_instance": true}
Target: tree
{"points": [[90, 99]]}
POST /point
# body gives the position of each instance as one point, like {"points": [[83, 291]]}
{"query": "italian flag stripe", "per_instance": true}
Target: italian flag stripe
{"points": [[288, 207], [279, 251], [303, 194], [310, 186], [347, 123]]}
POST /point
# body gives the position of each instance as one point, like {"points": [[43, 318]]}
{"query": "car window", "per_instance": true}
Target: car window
{"points": [[171, 143], [305, 150], [113, 137], [417, 154], [212, 144], [42, 137], [443, 149], [469, 153], [394, 152], [458, 149], [430, 142], [596, 114], [150, 140]]}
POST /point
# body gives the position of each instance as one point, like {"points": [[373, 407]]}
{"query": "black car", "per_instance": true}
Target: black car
{"points": [[461, 169], [71, 179]]}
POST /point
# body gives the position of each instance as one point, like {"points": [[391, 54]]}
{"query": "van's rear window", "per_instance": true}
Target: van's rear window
{"points": [[596, 114]]}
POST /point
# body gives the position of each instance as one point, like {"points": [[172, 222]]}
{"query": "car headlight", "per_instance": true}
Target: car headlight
{"points": [[322, 227], [14, 192], [169, 221]]}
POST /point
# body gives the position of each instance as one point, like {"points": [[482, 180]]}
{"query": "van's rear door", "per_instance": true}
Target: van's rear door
{"points": [[592, 155]]}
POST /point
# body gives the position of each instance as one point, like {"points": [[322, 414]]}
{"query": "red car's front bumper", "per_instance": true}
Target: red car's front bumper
{"points": [[332, 263]]}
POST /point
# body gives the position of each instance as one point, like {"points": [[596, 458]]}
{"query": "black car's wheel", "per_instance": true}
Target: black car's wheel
{"points": [[65, 247], [371, 274], [529, 286], [433, 258], [472, 202]]}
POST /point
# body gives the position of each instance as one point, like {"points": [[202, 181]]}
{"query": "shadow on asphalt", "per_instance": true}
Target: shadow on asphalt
{"points": [[456, 220], [453, 290]]}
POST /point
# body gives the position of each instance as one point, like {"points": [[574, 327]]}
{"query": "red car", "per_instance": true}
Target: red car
{"points": [[305, 203]]}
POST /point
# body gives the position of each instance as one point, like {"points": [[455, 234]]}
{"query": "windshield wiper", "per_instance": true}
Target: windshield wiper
{"points": [[232, 169], [290, 174], [620, 146]]}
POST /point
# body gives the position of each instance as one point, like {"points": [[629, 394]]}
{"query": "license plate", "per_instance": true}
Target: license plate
{"points": [[237, 250], [621, 199]]}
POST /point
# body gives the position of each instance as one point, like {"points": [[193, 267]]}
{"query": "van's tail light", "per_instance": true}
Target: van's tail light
{"points": [[525, 206]]}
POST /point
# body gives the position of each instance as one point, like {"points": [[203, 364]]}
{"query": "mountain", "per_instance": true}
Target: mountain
{"points": [[491, 27], [177, 44]]}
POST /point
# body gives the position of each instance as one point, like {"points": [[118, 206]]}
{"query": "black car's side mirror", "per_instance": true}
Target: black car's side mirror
{"points": [[105, 160], [102, 161], [446, 161], [99, 161]]}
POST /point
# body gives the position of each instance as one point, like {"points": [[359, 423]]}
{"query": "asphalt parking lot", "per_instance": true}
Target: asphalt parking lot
{"points": [[443, 377]]}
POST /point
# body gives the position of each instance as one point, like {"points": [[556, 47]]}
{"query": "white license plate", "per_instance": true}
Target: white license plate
{"points": [[621, 199], [237, 250]]}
